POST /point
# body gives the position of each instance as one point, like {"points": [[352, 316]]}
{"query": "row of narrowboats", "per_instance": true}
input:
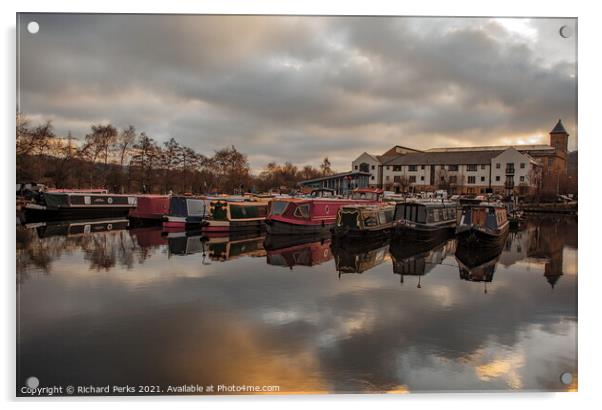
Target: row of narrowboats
{"points": [[363, 214]]}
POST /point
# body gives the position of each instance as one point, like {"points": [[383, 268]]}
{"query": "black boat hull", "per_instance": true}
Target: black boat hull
{"points": [[422, 234], [281, 228], [477, 238]]}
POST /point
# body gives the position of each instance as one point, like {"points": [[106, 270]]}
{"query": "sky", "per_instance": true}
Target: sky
{"points": [[299, 88]]}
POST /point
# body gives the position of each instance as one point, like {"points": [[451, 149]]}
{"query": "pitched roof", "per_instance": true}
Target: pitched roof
{"points": [[558, 128], [445, 158]]}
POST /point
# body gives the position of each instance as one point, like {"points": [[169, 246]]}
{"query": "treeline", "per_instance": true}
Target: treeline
{"points": [[128, 161]]}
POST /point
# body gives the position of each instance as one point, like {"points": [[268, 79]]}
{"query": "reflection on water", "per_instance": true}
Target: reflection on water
{"points": [[111, 305]]}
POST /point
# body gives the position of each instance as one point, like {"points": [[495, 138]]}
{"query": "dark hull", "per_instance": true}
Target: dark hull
{"points": [[477, 238], [67, 214], [281, 228], [423, 233]]}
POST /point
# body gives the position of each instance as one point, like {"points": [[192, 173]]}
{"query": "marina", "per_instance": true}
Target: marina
{"points": [[332, 310]]}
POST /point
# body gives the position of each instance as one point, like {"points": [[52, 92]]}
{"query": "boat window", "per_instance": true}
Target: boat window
{"points": [[436, 215], [278, 207], [399, 211], [370, 220], [421, 215], [302, 211]]}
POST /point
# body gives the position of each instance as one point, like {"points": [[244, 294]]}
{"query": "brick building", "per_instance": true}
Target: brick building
{"points": [[523, 169]]}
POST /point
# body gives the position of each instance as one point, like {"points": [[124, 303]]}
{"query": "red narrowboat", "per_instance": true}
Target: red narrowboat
{"points": [[315, 214], [151, 207]]}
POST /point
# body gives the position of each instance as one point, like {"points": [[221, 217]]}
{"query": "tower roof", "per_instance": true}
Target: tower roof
{"points": [[559, 128]]}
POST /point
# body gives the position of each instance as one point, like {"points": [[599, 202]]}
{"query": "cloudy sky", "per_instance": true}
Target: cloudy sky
{"points": [[301, 88]]}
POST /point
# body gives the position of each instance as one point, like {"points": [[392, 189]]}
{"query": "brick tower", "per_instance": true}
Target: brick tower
{"points": [[559, 138]]}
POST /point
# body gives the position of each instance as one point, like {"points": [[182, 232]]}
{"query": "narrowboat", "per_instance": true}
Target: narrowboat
{"points": [[150, 208], [484, 224], [315, 214], [57, 206], [360, 257], [424, 220], [77, 228], [229, 216], [186, 212], [301, 254], [361, 221]]}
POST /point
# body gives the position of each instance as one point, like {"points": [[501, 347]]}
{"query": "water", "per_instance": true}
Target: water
{"points": [[133, 307]]}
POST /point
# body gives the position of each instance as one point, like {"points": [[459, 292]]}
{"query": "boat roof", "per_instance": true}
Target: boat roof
{"points": [[430, 204]]}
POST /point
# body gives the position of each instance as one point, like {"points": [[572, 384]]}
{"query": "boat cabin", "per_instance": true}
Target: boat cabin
{"points": [[425, 212], [484, 215], [365, 217], [323, 193], [367, 194]]}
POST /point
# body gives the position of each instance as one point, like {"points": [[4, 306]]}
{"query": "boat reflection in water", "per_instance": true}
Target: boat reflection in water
{"points": [[95, 295], [419, 258], [47, 229], [298, 250], [359, 257], [222, 247]]}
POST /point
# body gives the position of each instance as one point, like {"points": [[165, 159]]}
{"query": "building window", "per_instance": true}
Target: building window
{"points": [[364, 167], [522, 179], [510, 168], [422, 178], [372, 177], [397, 178], [522, 165], [482, 179], [396, 168], [421, 166], [412, 168], [483, 166], [387, 178], [497, 178], [471, 179], [453, 179], [387, 167], [452, 167], [471, 167], [498, 165], [356, 167], [412, 179], [372, 166]]}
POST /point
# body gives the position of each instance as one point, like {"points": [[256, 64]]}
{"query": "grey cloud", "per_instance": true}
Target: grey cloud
{"points": [[333, 83]]}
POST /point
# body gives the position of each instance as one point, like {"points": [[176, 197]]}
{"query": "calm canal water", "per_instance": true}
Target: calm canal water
{"points": [[134, 307]]}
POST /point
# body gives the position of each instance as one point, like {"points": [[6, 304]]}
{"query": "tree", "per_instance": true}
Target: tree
{"points": [[325, 167]]}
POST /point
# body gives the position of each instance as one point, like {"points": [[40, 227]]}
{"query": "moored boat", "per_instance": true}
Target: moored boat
{"points": [[57, 206], [484, 224], [186, 212], [424, 220], [236, 216], [361, 221], [150, 207], [313, 215]]}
